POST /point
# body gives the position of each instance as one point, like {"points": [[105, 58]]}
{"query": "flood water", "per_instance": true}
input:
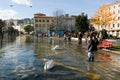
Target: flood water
{"points": [[21, 58]]}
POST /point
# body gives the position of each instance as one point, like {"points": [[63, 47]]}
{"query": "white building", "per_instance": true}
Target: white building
{"points": [[113, 28], [19, 24]]}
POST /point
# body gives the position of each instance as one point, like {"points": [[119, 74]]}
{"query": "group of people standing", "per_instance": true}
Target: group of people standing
{"points": [[90, 39], [67, 37]]}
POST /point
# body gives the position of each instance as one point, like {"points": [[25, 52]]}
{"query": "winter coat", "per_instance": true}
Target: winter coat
{"points": [[92, 45]]}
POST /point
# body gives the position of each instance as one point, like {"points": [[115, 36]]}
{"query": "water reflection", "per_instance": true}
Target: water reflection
{"points": [[21, 58], [13, 61], [5, 41]]}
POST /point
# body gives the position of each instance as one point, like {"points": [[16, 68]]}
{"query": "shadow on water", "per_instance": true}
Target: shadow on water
{"points": [[62, 73]]}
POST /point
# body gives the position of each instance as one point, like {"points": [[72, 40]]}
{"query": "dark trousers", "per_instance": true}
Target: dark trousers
{"points": [[91, 58]]}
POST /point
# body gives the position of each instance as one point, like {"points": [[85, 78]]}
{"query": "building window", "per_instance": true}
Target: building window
{"points": [[118, 25], [113, 25], [118, 5], [43, 25], [47, 20], [118, 18], [52, 20], [114, 6], [36, 20], [39, 25], [39, 20], [113, 12], [36, 25], [43, 20], [118, 11]]}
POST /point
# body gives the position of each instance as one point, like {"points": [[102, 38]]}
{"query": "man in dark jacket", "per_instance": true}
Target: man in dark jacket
{"points": [[79, 38], [92, 47]]}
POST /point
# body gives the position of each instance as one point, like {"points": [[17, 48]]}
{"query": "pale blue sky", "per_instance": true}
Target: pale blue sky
{"points": [[20, 8]]}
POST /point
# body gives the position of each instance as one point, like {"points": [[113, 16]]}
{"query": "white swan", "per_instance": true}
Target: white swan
{"points": [[56, 47], [49, 64]]}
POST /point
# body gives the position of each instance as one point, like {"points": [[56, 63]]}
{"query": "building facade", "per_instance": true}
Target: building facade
{"points": [[43, 23], [114, 27], [69, 23], [19, 24]]}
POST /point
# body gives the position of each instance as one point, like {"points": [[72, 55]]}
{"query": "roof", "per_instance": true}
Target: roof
{"points": [[114, 3], [43, 17]]}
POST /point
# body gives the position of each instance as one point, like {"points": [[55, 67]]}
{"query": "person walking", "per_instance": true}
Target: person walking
{"points": [[79, 36], [69, 37], [92, 47], [65, 37], [86, 36]]}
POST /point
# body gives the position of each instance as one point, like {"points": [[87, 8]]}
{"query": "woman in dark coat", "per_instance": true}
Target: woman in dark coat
{"points": [[92, 47]]}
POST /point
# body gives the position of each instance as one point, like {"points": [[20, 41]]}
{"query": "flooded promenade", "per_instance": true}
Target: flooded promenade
{"points": [[21, 58]]}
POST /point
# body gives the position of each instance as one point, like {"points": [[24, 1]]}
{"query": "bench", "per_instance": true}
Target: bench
{"points": [[105, 44]]}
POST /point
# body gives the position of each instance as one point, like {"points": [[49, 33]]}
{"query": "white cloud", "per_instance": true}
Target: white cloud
{"points": [[7, 14], [23, 2]]}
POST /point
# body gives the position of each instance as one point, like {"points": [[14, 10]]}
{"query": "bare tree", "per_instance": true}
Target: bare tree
{"points": [[59, 19]]}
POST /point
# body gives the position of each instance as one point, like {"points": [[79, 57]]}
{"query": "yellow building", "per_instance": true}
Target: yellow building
{"points": [[42, 22]]}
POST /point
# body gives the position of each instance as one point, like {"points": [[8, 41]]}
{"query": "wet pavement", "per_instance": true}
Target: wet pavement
{"points": [[21, 58]]}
